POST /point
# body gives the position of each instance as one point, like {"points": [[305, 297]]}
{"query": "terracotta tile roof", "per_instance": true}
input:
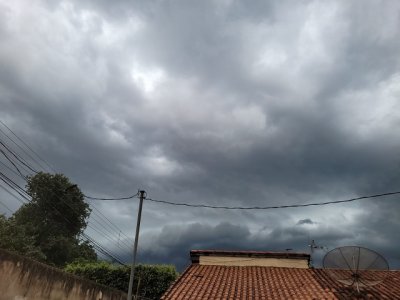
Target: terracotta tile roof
{"points": [[229, 282]]}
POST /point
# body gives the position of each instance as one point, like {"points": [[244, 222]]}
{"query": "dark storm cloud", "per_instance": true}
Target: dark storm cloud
{"points": [[305, 221], [214, 102], [173, 243]]}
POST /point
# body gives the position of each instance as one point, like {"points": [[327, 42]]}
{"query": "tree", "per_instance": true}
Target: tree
{"points": [[15, 238], [55, 218]]}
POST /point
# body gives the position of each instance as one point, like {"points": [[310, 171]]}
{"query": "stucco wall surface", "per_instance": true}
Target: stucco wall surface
{"points": [[26, 279], [251, 261]]}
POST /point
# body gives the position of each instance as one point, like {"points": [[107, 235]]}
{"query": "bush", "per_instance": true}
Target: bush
{"points": [[154, 279]]}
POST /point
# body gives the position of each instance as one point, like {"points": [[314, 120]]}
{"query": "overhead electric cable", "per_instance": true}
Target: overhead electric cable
{"points": [[86, 236], [95, 228], [13, 183], [14, 186], [109, 238], [10, 193], [111, 223], [13, 171], [10, 160], [103, 223], [98, 213], [108, 230], [271, 207], [17, 156], [94, 242], [26, 145], [103, 249], [22, 149], [110, 199]]}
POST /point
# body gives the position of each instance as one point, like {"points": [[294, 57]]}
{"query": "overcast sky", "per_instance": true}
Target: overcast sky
{"points": [[220, 102]]}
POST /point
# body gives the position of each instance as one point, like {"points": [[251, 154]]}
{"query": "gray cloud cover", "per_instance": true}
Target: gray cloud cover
{"points": [[215, 102]]}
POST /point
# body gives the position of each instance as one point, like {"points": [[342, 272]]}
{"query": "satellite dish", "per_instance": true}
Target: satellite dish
{"points": [[356, 266]]}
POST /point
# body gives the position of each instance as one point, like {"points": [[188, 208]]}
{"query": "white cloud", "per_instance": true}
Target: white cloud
{"points": [[147, 79]]}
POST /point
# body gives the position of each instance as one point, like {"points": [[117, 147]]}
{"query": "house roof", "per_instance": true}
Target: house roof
{"points": [[232, 282]]}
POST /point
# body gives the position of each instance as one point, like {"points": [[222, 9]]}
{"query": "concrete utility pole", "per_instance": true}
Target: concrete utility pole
{"points": [[135, 245]]}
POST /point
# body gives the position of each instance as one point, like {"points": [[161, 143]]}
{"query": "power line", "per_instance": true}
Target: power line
{"points": [[15, 166], [109, 238], [21, 192], [92, 226], [42, 159], [8, 191], [103, 219], [26, 145], [102, 249], [9, 168], [21, 160], [110, 199], [14, 186], [115, 226], [23, 150], [18, 189], [109, 231], [93, 241], [271, 207]]}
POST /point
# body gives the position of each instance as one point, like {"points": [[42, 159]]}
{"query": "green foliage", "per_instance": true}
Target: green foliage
{"points": [[57, 207], [154, 279], [84, 251], [13, 237], [52, 221]]}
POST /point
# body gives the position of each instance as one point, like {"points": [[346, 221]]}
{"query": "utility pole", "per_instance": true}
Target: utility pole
{"points": [[141, 193]]}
